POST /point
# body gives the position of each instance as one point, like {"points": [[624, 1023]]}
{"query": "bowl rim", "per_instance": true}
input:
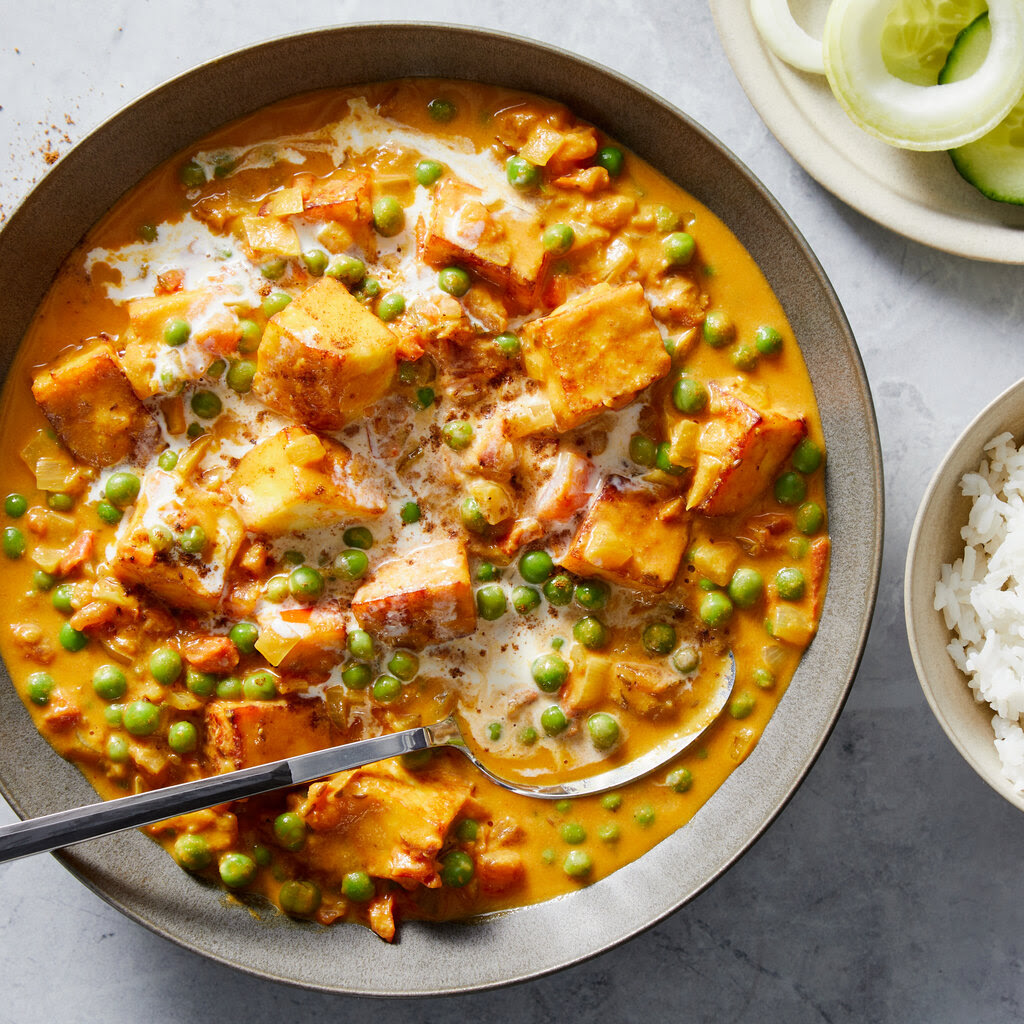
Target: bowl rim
{"points": [[945, 482], [874, 530]]}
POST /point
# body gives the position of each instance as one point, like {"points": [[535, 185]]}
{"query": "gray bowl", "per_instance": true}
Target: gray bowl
{"points": [[135, 875]]}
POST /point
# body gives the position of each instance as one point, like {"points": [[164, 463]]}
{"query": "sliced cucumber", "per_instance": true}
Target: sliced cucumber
{"points": [[993, 164]]}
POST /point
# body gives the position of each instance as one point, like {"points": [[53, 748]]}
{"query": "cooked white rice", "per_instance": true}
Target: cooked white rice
{"points": [[981, 596]]}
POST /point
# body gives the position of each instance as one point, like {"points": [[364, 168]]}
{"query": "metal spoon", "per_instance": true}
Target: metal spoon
{"points": [[66, 828]]}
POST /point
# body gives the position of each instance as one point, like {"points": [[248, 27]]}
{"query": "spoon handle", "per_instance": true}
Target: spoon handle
{"points": [[65, 828]]}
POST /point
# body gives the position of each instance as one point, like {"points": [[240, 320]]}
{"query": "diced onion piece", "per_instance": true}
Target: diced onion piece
{"points": [[917, 116], [785, 38]]}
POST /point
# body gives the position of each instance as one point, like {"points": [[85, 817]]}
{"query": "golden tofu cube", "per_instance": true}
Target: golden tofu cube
{"points": [[324, 358], [242, 734], [148, 554], [303, 639], [716, 558], [739, 452], [269, 236], [424, 597], [89, 401], [645, 687], [285, 202], [589, 680], [595, 352], [500, 242], [630, 536], [147, 356], [345, 198], [296, 480]]}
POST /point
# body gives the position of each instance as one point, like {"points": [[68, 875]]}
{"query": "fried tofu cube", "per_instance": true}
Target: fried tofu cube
{"points": [[89, 401], [499, 242], [595, 352], [147, 357], [296, 480], [647, 688], [270, 237], [589, 680], [240, 734], [166, 507], [324, 358], [346, 200], [715, 558], [739, 452], [303, 639], [499, 870], [631, 536], [394, 821], [424, 597]]}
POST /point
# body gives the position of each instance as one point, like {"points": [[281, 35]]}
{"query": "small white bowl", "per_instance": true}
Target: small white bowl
{"points": [[936, 540]]}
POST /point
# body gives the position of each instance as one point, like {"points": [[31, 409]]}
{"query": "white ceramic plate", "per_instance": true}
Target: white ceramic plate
{"points": [[919, 195]]}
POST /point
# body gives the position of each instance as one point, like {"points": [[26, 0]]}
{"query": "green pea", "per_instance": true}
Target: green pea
{"points": [[467, 830], [202, 684], [349, 269], [798, 547], [454, 280], [549, 672], [578, 864], [536, 566], [177, 332], [790, 489], [316, 261], [182, 737], [147, 232], [592, 594], [358, 887], [259, 685], [679, 779], [108, 514], [745, 587], [490, 602], [358, 537], [168, 460], [192, 852], [216, 368], [404, 664], [527, 735], [410, 512], [558, 239], [790, 584], [425, 397], [487, 572], [230, 688], [273, 270], [391, 306], [644, 815], [305, 583], [663, 461], [686, 659], [603, 729], [810, 517], [61, 598], [609, 833], [494, 731], [388, 216], [573, 832], [659, 638], [360, 644], [251, 333], [15, 505], [193, 540], [548, 855], [611, 159], [244, 636], [386, 689], [43, 580], [71, 639], [472, 518], [192, 174], [744, 357], [160, 538], [195, 429], [14, 542], [293, 557], [742, 705], [276, 589], [671, 346], [611, 801], [370, 288], [357, 676], [427, 172], [521, 173], [559, 590], [706, 584], [715, 609], [122, 489], [262, 855], [768, 341], [553, 720], [39, 685], [351, 564], [442, 111], [290, 831], [563, 806], [113, 715], [118, 749], [763, 678], [274, 303], [236, 870], [299, 898], [458, 434], [807, 456], [689, 395], [141, 718], [525, 599], [457, 869], [206, 405], [642, 450], [60, 502], [591, 632], [718, 329], [678, 248], [240, 376], [508, 344], [109, 682]]}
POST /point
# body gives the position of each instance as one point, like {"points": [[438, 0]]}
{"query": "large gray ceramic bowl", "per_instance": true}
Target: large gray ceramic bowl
{"points": [[134, 874]]}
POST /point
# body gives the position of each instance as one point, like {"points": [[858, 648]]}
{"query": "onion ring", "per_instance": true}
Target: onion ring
{"points": [[785, 38], [923, 117]]}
